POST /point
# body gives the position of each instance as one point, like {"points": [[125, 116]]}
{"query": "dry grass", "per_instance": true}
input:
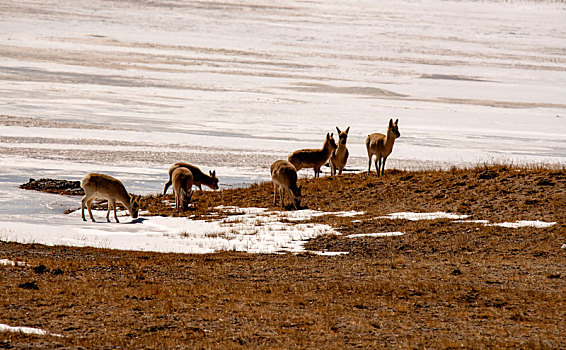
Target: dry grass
{"points": [[441, 285]]}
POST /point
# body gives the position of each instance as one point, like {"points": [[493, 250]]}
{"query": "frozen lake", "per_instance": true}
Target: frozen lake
{"points": [[128, 87]]}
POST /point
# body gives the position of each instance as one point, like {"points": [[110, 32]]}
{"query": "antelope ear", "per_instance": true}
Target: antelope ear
{"points": [[338, 130], [397, 122], [347, 130], [390, 122], [331, 135]]}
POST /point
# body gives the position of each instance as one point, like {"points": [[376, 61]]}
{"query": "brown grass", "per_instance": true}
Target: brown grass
{"points": [[441, 285]]}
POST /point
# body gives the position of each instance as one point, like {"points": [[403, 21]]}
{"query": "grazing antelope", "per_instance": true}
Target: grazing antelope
{"points": [[339, 156], [199, 178], [313, 158], [106, 187], [381, 146], [182, 187], [284, 176]]}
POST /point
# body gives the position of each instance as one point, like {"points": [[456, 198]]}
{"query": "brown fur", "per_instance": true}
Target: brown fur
{"points": [[106, 187], [339, 156], [284, 176], [182, 187], [313, 158], [199, 178], [381, 146]]}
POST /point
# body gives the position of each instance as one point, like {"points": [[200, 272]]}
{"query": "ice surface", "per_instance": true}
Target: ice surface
{"points": [[236, 87]]}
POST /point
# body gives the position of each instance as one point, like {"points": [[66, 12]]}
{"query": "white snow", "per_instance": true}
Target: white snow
{"points": [[255, 230], [26, 330], [376, 234], [423, 216], [329, 253], [516, 224], [8, 262], [525, 223], [485, 222]]}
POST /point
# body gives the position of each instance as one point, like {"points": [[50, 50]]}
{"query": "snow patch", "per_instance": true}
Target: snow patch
{"points": [[329, 253], [26, 330], [423, 216], [377, 234], [253, 230], [525, 223], [8, 262], [485, 222]]}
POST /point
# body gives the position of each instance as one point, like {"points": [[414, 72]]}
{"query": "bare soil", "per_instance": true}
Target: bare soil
{"points": [[443, 284]]}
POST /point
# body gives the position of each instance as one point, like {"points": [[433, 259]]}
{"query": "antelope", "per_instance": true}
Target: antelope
{"points": [[284, 176], [339, 156], [199, 178], [182, 187], [381, 146], [106, 187], [313, 158]]}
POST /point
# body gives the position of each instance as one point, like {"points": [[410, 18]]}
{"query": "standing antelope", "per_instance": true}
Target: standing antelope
{"points": [[199, 178], [313, 158], [106, 187], [381, 146], [284, 176], [182, 187], [340, 155]]}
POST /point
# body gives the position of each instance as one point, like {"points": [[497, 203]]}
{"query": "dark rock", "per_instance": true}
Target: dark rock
{"points": [[54, 186], [487, 175], [40, 269], [57, 272], [29, 285]]}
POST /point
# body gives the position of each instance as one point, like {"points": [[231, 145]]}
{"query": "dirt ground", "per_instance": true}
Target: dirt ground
{"points": [[443, 284]]}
